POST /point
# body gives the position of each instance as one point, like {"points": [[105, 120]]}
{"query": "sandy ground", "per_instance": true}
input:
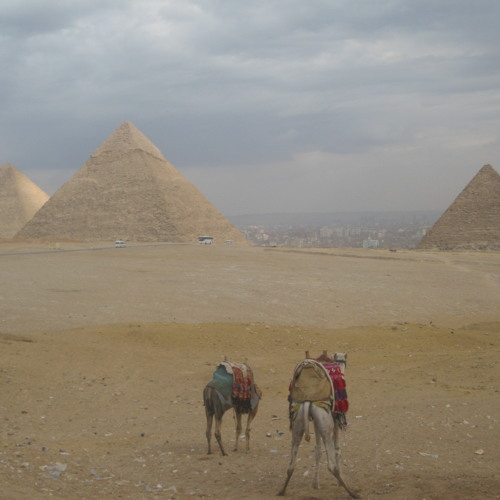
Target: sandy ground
{"points": [[104, 354]]}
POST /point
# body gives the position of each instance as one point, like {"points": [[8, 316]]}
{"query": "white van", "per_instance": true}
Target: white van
{"points": [[205, 240]]}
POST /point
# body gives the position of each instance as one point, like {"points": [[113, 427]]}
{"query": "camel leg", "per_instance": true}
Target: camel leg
{"points": [[291, 467], [336, 443], [297, 434], [210, 418], [218, 425], [251, 416], [317, 456], [238, 429], [333, 454]]}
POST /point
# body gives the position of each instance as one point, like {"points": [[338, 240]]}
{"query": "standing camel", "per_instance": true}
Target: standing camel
{"points": [[232, 386], [311, 398]]}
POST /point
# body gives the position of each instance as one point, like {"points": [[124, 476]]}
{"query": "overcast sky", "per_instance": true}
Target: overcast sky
{"points": [[265, 105]]}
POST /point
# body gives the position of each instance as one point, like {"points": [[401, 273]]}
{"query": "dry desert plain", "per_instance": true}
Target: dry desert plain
{"points": [[104, 353]]}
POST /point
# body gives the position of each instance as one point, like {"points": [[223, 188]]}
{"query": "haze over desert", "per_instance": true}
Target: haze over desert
{"points": [[105, 353]]}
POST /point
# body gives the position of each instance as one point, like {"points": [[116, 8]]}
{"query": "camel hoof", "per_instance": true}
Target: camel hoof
{"points": [[354, 494]]}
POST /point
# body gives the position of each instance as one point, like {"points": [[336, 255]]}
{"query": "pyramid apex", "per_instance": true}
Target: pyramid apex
{"points": [[20, 199], [487, 168], [486, 174], [128, 137], [10, 170]]}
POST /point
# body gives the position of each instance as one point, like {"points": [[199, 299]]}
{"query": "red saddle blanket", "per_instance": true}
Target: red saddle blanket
{"points": [[242, 389], [339, 387]]}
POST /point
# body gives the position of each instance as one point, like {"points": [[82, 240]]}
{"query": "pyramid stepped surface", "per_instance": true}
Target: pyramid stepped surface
{"points": [[472, 221], [20, 199], [128, 190]]}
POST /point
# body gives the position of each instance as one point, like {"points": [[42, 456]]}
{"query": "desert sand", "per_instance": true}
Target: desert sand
{"points": [[104, 354]]}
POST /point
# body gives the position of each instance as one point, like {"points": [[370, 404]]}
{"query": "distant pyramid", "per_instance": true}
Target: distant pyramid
{"points": [[20, 198], [128, 190], [472, 222]]}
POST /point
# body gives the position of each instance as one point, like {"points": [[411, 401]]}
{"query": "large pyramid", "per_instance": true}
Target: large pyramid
{"points": [[128, 190], [20, 198], [472, 222]]}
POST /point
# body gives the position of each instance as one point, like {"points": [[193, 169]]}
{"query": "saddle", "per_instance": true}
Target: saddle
{"points": [[322, 382], [235, 381], [310, 382]]}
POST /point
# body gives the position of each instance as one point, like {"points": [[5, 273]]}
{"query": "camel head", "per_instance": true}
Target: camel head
{"points": [[341, 359]]}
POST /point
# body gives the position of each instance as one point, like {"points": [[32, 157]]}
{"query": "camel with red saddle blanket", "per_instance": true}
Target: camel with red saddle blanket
{"points": [[317, 393], [232, 386]]}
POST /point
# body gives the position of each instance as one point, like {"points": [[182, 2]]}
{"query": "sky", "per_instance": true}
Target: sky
{"points": [[267, 106]]}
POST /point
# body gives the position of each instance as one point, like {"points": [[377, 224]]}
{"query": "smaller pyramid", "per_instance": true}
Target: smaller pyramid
{"points": [[20, 199], [472, 221], [127, 190]]}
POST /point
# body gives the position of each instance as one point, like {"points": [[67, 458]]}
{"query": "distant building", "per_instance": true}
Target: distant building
{"points": [[325, 232], [369, 243]]}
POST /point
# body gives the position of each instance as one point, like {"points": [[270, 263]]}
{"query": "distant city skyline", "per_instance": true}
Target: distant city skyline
{"points": [[319, 107], [395, 230]]}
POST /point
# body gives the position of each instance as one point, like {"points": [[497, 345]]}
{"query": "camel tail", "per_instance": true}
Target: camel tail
{"points": [[307, 407]]}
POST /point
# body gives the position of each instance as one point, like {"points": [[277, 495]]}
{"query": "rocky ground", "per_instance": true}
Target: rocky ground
{"points": [[104, 354]]}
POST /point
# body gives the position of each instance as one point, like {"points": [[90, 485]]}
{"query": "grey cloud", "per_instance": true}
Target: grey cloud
{"points": [[219, 86], [30, 18]]}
